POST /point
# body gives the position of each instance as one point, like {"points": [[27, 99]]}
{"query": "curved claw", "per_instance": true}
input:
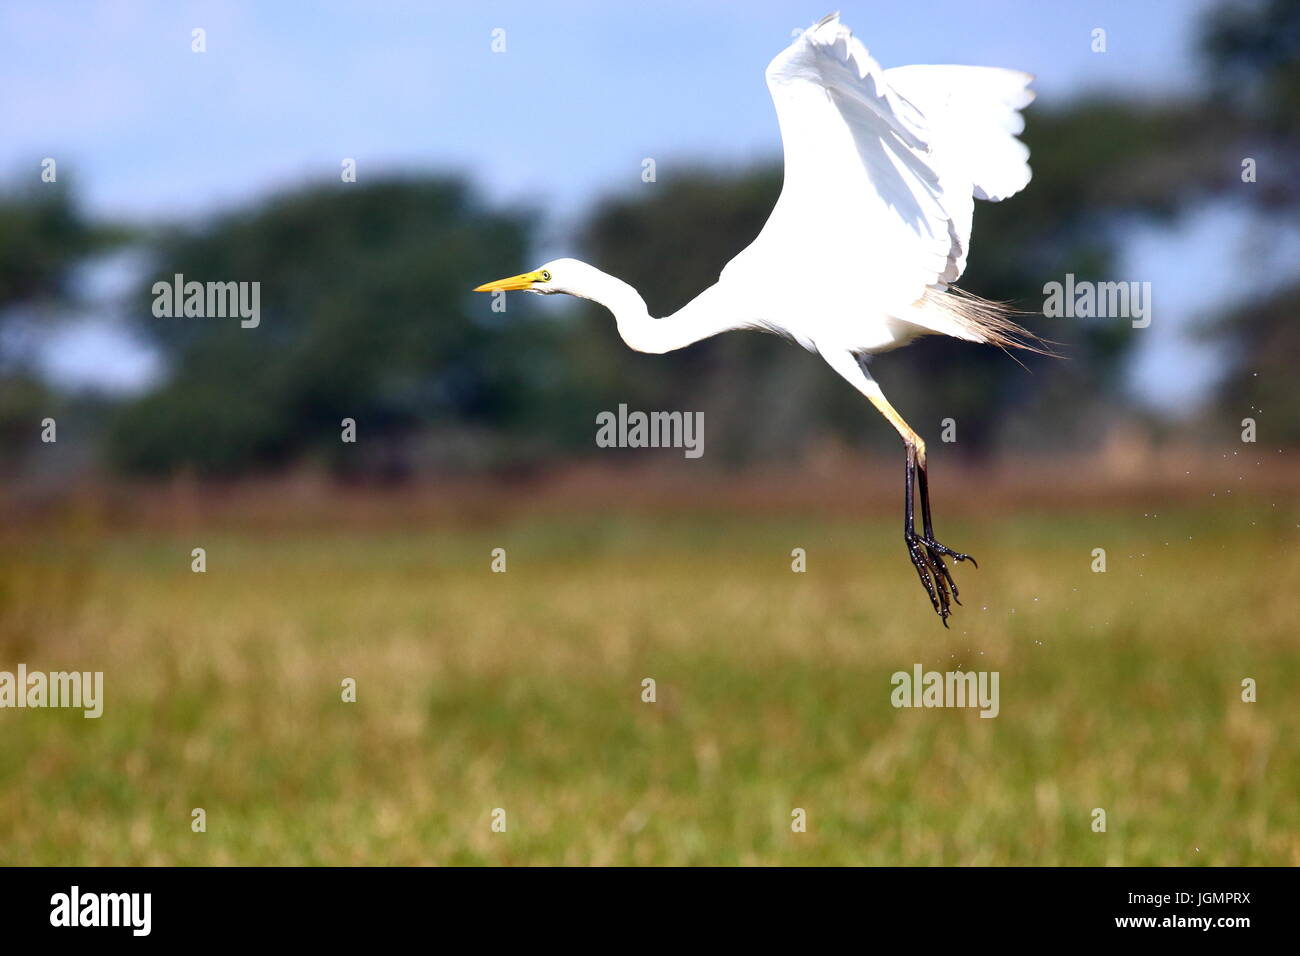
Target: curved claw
{"points": [[927, 556], [941, 569], [947, 551], [924, 572], [934, 576]]}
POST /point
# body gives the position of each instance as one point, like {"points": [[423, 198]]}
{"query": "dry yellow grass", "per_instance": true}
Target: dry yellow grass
{"points": [[522, 691]]}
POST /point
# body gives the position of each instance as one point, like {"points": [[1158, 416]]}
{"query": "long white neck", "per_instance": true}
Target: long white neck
{"points": [[703, 317]]}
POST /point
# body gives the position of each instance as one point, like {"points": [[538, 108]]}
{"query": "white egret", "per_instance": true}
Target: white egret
{"points": [[873, 224]]}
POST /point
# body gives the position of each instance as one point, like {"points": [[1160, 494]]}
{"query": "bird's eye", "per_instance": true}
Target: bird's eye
{"points": [[546, 276]]}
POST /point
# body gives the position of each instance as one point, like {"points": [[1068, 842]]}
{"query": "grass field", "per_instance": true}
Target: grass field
{"points": [[522, 691]]}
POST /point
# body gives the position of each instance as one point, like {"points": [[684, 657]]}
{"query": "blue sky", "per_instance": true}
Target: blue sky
{"points": [[583, 92]]}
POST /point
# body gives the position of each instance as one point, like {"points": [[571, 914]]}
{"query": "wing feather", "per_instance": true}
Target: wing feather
{"points": [[882, 166]]}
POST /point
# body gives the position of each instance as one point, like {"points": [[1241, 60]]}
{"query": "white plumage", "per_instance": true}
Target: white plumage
{"points": [[873, 224], [881, 167]]}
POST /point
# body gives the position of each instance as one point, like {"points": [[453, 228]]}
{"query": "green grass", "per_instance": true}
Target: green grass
{"points": [[523, 691]]}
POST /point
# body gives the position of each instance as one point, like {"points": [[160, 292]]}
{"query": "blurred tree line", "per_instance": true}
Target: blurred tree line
{"points": [[1253, 53], [44, 237], [365, 314], [366, 311]]}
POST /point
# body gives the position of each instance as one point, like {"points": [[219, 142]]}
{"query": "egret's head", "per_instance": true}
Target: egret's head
{"points": [[559, 275]]}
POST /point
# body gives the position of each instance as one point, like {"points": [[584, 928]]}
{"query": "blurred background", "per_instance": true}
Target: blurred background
{"points": [[487, 138]]}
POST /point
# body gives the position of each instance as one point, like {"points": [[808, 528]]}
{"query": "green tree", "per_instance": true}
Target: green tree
{"points": [[1253, 49], [44, 236], [366, 314]]}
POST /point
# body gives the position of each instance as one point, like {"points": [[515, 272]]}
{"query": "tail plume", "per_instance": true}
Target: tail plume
{"points": [[962, 315]]}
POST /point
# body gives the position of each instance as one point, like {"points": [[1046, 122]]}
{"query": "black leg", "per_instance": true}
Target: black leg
{"points": [[921, 559], [926, 553], [937, 550]]}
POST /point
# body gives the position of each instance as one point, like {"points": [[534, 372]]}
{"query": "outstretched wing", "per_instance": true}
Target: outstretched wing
{"points": [[881, 166]]}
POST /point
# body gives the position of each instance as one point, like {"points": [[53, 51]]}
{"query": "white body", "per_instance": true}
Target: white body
{"points": [[882, 168]]}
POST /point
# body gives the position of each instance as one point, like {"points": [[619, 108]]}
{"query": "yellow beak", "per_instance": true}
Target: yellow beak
{"points": [[524, 281]]}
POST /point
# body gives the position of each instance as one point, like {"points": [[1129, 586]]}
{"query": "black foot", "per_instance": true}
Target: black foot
{"points": [[927, 556]]}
